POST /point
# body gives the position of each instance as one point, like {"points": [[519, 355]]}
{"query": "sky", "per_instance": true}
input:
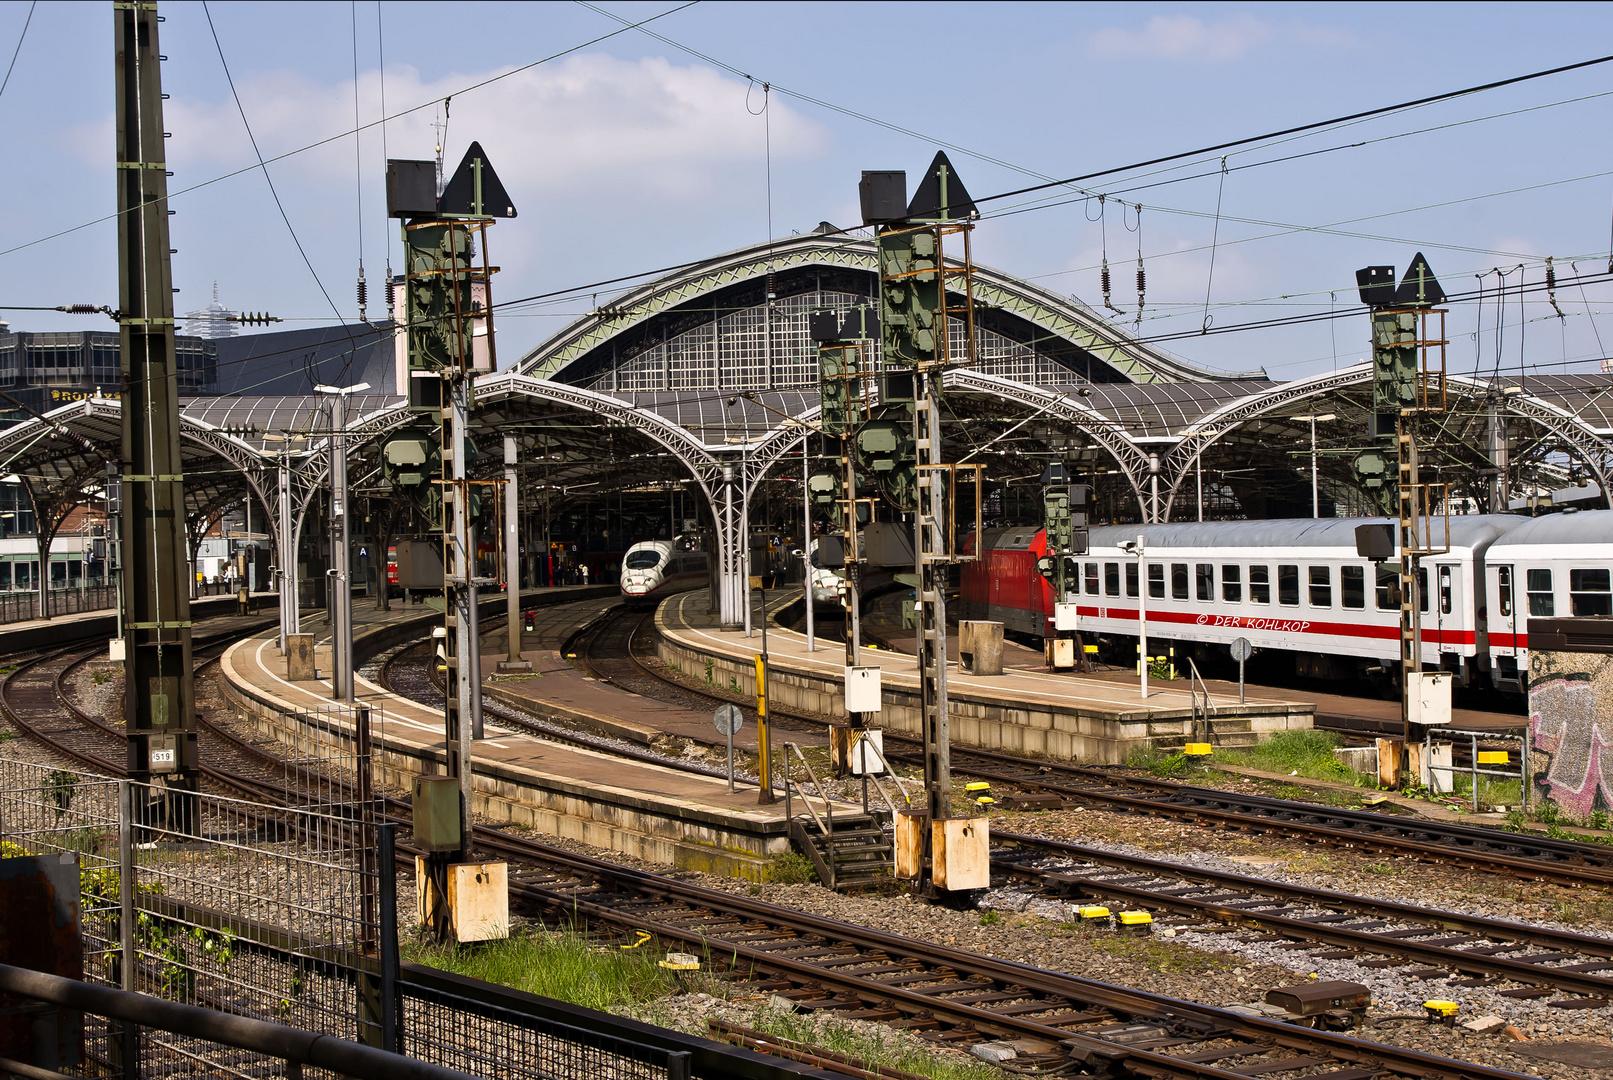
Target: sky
{"points": [[625, 153]]}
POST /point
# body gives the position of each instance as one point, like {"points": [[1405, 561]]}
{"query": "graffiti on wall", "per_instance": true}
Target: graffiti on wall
{"points": [[1571, 730]]}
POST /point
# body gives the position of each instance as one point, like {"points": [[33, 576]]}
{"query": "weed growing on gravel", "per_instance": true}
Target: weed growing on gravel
{"points": [[875, 1046], [561, 964], [990, 918], [1156, 954], [791, 868], [1307, 753]]}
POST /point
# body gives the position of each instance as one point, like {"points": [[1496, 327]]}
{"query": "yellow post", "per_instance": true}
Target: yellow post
{"points": [[763, 744]]}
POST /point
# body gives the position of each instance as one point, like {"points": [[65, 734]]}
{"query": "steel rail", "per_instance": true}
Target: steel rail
{"points": [[1207, 1022], [1365, 941], [1563, 862]]}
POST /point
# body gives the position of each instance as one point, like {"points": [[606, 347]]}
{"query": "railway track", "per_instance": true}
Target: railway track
{"points": [[950, 996], [1378, 933], [1526, 855], [34, 698]]}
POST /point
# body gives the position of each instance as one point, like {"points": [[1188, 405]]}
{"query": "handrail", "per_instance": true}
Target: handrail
{"points": [[244, 1033], [828, 804], [897, 780], [1195, 682]]}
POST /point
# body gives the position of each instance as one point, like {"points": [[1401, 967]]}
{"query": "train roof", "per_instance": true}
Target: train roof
{"points": [[1577, 527], [1467, 531]]}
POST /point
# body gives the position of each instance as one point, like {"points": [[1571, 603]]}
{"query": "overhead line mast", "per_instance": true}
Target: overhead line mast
{"points": [[160, 697]]}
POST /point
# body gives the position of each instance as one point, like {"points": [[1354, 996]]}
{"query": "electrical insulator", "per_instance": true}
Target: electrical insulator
{"points": [[1105, 279], [771, 291], [1551, 287], [363, 296], [79, 309], [1142, 284]]}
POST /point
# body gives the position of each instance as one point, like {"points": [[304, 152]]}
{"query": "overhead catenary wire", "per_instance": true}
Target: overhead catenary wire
{"points": [[18, 50], [358, 170], [339, 136], [262, 164]]}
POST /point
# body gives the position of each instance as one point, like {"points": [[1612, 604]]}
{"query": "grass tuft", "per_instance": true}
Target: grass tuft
{"points": [[1308, 753], [560, 964]]}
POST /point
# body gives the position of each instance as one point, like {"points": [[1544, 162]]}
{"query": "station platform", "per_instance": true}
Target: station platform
{"points": [[33, 634], [1094, 719], [651, 811], [1347, 714]]}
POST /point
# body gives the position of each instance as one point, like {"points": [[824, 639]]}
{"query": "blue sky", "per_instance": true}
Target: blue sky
{"points": [[631, 154]]}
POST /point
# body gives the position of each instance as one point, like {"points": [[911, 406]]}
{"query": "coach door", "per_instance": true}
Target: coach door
{"points": [[1447, 606], [1503, 613]]}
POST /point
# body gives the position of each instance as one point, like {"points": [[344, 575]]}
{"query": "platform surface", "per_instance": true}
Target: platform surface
{"points": [[1334, 711], [257, 665], [684, 618]]}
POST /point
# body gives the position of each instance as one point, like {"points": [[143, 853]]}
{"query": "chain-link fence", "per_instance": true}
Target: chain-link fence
{"points": [[284, 914]]}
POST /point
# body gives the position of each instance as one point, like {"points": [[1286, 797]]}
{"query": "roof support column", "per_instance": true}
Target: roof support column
{"points": [[730, 552]]}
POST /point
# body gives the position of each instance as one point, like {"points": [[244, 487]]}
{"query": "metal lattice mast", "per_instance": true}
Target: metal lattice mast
{"points": [[160, 703]]}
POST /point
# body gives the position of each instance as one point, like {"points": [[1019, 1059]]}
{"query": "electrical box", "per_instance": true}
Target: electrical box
{"points": [[865, 761], [419, 564], [114, 650], [1064, 616], [862, 690], [1431, 698], [883, 196], [960, 854], [436, 813], [910, 826], [1375, 541], [887, 543], [479, 898], [1063, 652], [411, 188]]}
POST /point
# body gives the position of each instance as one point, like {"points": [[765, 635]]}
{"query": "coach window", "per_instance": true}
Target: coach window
{"points": [[1503, 590], [1259, 585], [1288, 585], [1422, 587], [1178, 581], [1388, 582], [1111, 578], [1156, 580], [1445, 590], [1353, 586], [1540, 596], [1590, 592], [1231, 583], [1205, 575], [1321, 586], [1092, 579], [1131, 579]]}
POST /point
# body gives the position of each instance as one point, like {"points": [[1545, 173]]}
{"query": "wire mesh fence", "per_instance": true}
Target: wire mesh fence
{"points": [[21, 606], [273, 912], [257, 910]]}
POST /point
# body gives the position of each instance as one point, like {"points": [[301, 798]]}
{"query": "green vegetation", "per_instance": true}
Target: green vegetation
{"points": [[791, 868], [1155, 953], [875, 1047], [1162, 763], [1307, 753], [560, 964]]}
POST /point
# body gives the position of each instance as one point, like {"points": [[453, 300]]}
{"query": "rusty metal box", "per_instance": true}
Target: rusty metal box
{"points": [[436, 813]]}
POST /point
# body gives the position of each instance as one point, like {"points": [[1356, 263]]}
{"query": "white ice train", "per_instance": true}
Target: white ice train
{"points": [[655, 569], [1298, 586]]}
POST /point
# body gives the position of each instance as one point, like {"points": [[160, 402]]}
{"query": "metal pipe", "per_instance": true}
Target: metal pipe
{"points": [[1142, 617], [806, 544], [512, 549]]}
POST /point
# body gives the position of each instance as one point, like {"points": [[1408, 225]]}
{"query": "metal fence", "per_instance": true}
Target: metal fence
{"points": [[22, 606], [286, 915]]}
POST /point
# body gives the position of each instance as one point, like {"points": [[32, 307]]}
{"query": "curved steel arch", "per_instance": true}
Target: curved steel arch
{"points": [[1058, 316], [1131, 458], [1209, 429]]}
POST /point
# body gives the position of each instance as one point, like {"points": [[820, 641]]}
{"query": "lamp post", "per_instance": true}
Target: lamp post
{"points": [[1316, 492], [341, 603]]}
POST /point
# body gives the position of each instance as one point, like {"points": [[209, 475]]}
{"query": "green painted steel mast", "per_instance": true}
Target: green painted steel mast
{"points": [[160, 701]]}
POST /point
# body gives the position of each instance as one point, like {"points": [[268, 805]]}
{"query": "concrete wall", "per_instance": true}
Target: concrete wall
{"points": [[1066, 733], [1570, 725]]}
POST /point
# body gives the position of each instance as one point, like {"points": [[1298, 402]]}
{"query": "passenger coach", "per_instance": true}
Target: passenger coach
{"points": [[1298, 586]]}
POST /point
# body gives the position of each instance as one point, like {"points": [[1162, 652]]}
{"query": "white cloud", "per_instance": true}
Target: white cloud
{"points": [[589, 122], [1186, 37]]}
